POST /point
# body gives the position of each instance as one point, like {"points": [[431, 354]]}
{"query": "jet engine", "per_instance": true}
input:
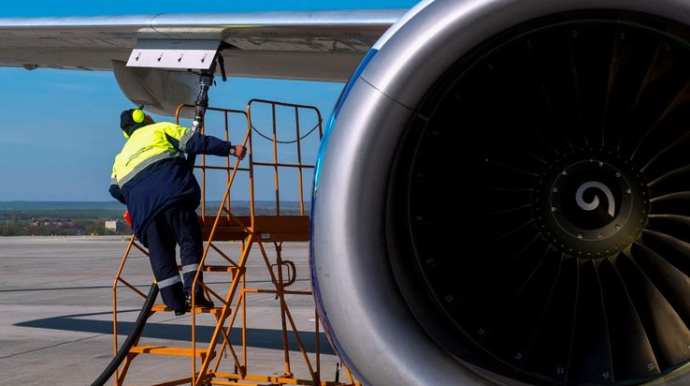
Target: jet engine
{"points": [[503, 197]]}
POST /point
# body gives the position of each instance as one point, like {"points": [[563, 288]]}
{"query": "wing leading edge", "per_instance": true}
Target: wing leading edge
{"points": [[325, 45]]}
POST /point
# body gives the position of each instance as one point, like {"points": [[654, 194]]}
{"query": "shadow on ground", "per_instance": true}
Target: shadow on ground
{"points": [[256, 337]]}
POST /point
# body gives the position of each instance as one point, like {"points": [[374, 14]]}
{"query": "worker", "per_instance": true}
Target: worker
{"points": [[151, 176]]}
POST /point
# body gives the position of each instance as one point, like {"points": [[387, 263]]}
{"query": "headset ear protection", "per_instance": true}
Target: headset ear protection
{"points": [[132, 118], [138, 115]]}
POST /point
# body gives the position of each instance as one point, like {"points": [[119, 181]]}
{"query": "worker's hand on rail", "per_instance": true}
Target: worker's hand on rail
{"points": [[238, 151]]}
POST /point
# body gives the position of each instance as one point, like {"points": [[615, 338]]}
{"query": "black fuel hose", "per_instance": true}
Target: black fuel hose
{"points": [[129, 342]]}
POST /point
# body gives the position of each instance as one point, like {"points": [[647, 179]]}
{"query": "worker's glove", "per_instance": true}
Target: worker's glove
{"points": [[238, 151], [127, 218]]}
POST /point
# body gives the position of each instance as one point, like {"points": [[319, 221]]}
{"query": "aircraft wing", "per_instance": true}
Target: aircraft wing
{"points": [[324, 45]]}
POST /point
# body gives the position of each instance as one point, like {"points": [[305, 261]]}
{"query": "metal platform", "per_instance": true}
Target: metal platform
{"points": [[251, 231]]}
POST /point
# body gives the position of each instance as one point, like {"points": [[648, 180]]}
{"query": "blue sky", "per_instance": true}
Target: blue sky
{"points": [[61, 128]]}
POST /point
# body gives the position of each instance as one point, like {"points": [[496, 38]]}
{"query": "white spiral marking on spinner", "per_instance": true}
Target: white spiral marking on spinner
{"points": [[588, 206]]}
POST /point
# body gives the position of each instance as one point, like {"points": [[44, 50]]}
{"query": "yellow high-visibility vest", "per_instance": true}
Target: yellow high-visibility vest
{"points": [[146, 146]]}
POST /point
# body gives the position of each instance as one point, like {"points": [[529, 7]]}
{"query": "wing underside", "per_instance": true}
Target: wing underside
{"points": [[326, 45]]}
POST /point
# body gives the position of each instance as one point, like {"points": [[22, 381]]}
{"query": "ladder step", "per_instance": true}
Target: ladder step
{"points": [[232, 228], [219, 268], [164, 350], [197, 310], [215, 268]]}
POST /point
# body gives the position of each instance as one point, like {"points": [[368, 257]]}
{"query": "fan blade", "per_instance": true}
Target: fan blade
{"points": [[673, 284], [677, 180], [666, 331], [673, 203], [591, 360], [674, 251], [513, 335], [633, 356], [671, 225], [550, 352]]}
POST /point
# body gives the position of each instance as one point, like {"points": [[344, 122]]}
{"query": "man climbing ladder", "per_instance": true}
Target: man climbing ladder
{"points": [[151, 176]]}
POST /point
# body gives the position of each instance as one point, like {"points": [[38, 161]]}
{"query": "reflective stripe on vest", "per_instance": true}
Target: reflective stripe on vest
{"points": [[146, 163], [146, 146]]}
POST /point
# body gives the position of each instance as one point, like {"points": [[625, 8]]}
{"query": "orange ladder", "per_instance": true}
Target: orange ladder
{"points": [[248, 229]]}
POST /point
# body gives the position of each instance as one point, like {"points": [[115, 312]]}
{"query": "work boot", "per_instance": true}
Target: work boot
{"points": [[181, 310], [201, 301], [174, 299]]}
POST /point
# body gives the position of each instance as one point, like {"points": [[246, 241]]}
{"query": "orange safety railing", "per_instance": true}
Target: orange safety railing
{"points": [[276, 165], [254, 228], [231, 167]]}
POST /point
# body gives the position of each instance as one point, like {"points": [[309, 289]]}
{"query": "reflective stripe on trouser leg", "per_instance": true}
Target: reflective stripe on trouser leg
{"points": [[192, 268], [168, 282], [184, 224], [162, 257], [188, 273], [171, 292]]}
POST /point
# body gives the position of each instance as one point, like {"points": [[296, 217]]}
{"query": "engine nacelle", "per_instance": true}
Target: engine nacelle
{"points": [[566, 124]]}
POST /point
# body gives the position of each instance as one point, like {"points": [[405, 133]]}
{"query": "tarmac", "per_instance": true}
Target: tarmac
{"points": [[56, 314]]}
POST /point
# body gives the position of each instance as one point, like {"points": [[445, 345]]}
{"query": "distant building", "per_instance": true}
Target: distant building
{"points": [[58, 222], [111, 224]]}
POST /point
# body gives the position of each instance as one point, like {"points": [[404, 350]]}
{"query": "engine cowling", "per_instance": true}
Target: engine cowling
{"points": [[564, 259]]}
